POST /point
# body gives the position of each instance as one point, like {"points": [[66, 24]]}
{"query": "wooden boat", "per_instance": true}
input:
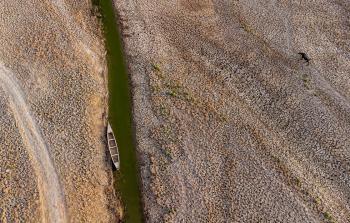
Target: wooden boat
{"points": [[113, 147]]}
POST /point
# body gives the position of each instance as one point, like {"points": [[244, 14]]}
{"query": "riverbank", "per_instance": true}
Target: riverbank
{"points": [[227, 115], [53, 156]]}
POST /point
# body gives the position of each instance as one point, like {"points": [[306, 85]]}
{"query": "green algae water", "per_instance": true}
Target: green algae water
{"points": [[120, 115]]}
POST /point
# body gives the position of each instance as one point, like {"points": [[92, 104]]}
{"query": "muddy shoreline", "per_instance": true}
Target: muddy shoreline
{"points": [[120, 116]]}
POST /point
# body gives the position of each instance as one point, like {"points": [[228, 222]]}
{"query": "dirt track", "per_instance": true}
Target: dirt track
{"points": [[53, 102], [51, 194]]}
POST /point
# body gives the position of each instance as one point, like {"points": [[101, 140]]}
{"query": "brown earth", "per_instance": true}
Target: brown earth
{"points": [[53, 165], [232, 125]]}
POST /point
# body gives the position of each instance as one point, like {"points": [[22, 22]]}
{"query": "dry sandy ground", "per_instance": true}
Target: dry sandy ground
{"points": [[52, 103], [232, 126]]}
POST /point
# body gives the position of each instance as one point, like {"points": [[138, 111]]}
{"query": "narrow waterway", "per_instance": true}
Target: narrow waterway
{"points": [[120, 115]]}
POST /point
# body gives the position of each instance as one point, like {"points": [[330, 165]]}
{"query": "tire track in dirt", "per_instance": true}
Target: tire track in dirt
{"points": [[51, 194]]}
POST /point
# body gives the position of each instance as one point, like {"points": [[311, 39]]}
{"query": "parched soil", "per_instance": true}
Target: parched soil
{"points": [[232, 124], [53, 101], [52, 198]]}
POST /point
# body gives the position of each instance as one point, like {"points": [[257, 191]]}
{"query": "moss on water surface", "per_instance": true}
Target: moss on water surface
{"points": [[120, 115]]}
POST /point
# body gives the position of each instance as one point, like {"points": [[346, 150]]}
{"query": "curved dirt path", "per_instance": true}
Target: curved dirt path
{"points": [[51, 194]]}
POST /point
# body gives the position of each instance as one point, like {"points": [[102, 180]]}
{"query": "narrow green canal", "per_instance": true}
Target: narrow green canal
{"points": [[120, 115]]}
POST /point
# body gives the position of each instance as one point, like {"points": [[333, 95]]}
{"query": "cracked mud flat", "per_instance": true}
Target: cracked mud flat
{"points": [[231, 125], [52, 105]]}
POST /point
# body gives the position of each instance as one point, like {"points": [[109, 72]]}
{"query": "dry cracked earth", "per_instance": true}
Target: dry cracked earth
{"points": [[232, 124], [52, 103]]}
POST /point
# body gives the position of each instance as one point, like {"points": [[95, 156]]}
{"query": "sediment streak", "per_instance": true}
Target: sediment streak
{"points": [[51, 194]]}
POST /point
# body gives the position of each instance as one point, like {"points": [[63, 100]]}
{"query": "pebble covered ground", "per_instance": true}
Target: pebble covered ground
{"points": [[232, 124], [55, 51]]}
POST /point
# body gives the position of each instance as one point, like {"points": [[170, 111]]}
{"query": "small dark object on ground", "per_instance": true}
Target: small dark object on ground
{"points": [[305, 57]]}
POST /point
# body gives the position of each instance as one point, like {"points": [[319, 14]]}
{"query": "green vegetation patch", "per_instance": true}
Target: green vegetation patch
{"points": [[328, 217]]}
